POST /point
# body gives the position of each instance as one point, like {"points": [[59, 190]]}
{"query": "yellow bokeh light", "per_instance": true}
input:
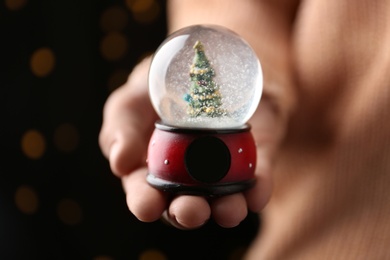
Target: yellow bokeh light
{"points": [[69, 212], [114, 46], [33, 144], [114, 19], [152, 254], [140, 6], [26, 199], [66, 137], [144, 11], [14, 5], [42, 62]]}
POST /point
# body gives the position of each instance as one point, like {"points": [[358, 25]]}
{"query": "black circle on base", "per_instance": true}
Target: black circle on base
{"points": [[207, 159], [210, 190]]}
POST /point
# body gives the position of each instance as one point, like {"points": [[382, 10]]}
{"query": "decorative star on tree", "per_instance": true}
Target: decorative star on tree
{"points": [[204, 98]]}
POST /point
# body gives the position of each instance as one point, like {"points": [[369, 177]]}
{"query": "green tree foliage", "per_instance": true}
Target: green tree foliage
{"points": [[204, 98]]}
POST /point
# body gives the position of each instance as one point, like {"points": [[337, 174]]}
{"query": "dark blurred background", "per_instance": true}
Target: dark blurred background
{"points": [[60, 60]]}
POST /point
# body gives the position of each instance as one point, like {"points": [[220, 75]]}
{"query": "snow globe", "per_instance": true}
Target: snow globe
{"points": [[205, 82]]}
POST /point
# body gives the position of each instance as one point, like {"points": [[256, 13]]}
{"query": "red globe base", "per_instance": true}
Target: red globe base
{"points": [[201, 161]]}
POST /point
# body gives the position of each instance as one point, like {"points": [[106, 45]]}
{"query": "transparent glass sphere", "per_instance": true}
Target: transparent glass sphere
{"points": [[205, 76]]}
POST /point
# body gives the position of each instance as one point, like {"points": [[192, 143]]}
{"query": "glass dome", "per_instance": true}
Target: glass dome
{"points": [[205, 76]]}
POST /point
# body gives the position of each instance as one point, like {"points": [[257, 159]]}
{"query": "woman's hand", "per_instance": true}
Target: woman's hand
{"points": [[128, 122]]}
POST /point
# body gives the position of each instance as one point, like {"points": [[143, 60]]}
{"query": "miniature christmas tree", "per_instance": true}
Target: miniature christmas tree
{"points": [[204, 98]]}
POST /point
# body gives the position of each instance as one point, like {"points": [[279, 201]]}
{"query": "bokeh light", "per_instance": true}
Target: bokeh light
{"points": [[42, 62], [144, 11], [69, 212], [114, 46], [26, 199], [33, 144], [14, 5], [152, 254], [114, 19]]}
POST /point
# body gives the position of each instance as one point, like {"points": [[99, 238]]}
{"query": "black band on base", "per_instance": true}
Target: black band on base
{"points": [[209, 190]]}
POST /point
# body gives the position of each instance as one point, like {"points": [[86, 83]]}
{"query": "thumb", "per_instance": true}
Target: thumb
{"points": [[128, 121]]}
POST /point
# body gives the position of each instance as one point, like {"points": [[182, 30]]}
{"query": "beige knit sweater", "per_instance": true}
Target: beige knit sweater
{"points": [[327, 68]]}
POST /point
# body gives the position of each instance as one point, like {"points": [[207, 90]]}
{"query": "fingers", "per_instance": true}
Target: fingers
{"points": [[145, 202], [191, 212], [128, 120], [229, 211], [184, 212], [188, 212], [148, 204]]}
